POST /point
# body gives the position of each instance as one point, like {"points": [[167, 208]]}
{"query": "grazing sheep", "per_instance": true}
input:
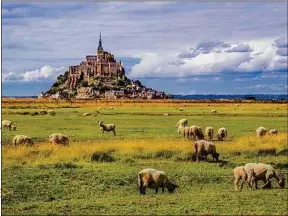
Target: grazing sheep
{"points": [[261, 131], [180, 109], [196, 132], [22, 139], [153, 178], [166, 114], [185, 131], [209, 131], [204, 148], [86, 114], [43, 112], [240, 174], [58, 139], [111, 108], [264, 172], [182, 123], [222, 134], [13, 127], [273, 132], [8, 124], [51, 112], [107, 127], [213, 111]]}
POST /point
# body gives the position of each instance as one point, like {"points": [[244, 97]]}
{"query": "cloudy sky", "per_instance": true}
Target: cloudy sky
{"points": [[180, 48]]}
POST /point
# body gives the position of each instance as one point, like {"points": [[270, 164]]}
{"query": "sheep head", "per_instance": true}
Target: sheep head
{"points": [[216, 156], [282, 182], [171, 187]]}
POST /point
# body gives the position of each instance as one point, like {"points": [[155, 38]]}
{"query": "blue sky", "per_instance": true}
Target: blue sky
{"points": [[180, 48]]}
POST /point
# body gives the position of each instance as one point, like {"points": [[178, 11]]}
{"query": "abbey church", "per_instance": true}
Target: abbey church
{"points": [[102, 65]]}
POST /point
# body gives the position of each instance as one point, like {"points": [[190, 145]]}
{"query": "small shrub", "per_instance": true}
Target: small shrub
{"points": [[266, 152], [102, 156], [235, 153], [283, 152]]}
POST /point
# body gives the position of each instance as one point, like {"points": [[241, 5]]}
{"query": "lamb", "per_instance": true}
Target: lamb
{"points": [[51, 112], [8, 124], [107, 127], [204, 148], [209, 131], [58, 139], [153, 178], [196, 131], [213, 111], [222, 134], [261, 131], [22, 139], [264, 172], [273, 132], [240, 174]]}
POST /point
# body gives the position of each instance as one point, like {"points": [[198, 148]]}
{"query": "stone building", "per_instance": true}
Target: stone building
{"points": [[101, 65]]}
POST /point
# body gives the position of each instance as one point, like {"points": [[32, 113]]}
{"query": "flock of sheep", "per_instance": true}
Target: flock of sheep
{"points": [[151, 178]]}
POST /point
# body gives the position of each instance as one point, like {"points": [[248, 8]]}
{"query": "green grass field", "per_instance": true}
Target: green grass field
{"points": [[56, 180]]}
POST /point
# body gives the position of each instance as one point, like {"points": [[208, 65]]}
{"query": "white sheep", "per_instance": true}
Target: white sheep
{"points": [[185, 131], [107, 127], [196, 132], [86, 114], [209, 131], [204, 148], [261, 131], [240, 174], [155, 179], [51, 112], [263, 172], [273, 132], [180, 109], [22, 139], [8, 124], [181, 123], [222, 134], [58, 139], [213, 111]]}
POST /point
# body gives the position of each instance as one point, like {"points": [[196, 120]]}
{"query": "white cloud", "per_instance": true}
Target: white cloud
{"points": [[46, 72], [212, 58]]}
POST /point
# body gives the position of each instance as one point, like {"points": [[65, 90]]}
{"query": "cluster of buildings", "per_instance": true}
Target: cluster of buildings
{"points": [[104, 67]]}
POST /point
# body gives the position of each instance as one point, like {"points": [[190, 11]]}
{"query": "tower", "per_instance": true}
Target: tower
{"points": [[100, 44]]}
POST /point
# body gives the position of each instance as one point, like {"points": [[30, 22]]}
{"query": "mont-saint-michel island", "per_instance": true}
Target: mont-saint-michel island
{"points": [[100, 76]]}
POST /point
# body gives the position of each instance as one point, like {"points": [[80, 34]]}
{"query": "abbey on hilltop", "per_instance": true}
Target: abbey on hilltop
{"points": [[103, 65], [99, 76]]}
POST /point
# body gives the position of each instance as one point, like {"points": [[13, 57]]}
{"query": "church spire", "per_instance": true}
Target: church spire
{"points": [[100, 43]]}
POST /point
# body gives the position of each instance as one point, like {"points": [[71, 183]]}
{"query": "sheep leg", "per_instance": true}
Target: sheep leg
{"points": [[241, 186], [140, 189], [143, 190], [156, 190], [268, 182], [114, 132], [236, 181], [256, 185]]}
